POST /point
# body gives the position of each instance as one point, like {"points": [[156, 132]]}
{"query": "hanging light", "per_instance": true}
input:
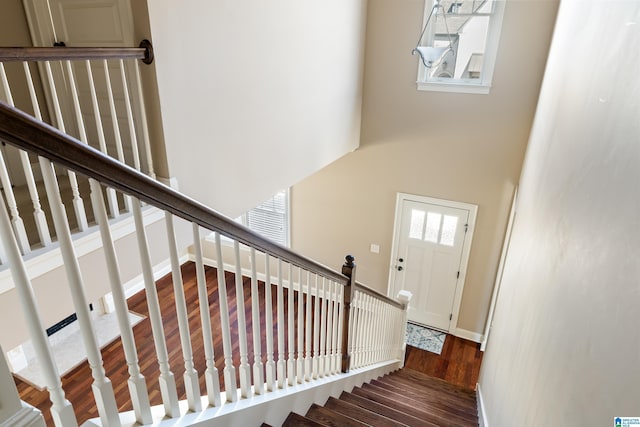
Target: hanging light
{"points": [[432, 56]]}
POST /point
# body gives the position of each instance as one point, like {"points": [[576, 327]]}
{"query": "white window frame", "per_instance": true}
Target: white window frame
{"points": [[244, 218], [478, 86]]}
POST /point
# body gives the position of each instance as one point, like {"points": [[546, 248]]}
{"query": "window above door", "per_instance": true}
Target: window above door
{"points": [[466, 33]]}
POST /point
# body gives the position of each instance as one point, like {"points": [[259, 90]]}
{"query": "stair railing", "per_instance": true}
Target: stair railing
{"points": [[340, 324], [104, 85]]}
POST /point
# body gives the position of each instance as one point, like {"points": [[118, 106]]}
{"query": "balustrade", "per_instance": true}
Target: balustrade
{"points": [[327, 325]]}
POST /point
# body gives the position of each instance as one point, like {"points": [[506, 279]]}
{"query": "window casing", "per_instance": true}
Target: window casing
{"points": [[473, 29], [270, 218]]}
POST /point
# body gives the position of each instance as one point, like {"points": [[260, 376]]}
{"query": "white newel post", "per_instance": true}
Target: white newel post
{"points": [[13, 411], [404, 297]]}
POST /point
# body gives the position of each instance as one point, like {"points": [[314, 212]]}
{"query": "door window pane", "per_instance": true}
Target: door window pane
{"points": [[417, 224], [433, 227], [449, 225]]}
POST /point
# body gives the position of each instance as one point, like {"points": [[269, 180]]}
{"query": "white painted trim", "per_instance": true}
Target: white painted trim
{"points": [[468, 335], [50, 258], [482, 412], [496, 286], [160, 270], [483, 86], [169, 182], [466, 248], [271, 408]]}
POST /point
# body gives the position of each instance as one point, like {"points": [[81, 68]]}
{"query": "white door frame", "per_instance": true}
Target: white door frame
{"points": [[466, 246]]}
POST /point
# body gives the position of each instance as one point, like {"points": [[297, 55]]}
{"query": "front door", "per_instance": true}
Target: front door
{"points": [[431, 246]]}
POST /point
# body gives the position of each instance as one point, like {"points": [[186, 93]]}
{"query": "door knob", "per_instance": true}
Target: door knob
{"points": [[399, 268]]}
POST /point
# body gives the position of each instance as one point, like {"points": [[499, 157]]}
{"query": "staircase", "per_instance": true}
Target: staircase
{"points": [[402, 398]]}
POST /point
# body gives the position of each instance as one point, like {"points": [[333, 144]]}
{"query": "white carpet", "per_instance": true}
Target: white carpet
{"points": [[424, 338], [67, 347]]}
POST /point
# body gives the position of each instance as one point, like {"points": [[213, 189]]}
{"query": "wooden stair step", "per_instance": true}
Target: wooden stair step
{"points": [[462, 416], [426, 390], [431, 385], [421, 378], [327, 417], [294, 420], [385, 411], [404, 406], [361, 414]]}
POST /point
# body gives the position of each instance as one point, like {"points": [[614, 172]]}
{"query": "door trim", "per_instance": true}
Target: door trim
{"points": [[466, 246]]}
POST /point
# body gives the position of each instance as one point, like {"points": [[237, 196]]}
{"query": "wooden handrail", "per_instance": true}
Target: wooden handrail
{"points": [[12, 54], [25, 132], [365, 289]]}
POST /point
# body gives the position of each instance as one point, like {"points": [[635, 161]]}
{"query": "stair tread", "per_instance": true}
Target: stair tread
{"points": [[436, 417], [328, 417], [384, 410], [294, 420], [430, 389], [449, 409], [422, 379], [431, 394], [434, 387], [360, 414]]}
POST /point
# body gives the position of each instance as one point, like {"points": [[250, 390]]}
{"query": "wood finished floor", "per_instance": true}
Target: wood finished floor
{"points": [[459, 362]]}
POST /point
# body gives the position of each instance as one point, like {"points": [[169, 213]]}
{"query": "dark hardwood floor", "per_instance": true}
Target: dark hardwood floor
{"points": [[459, 362]]}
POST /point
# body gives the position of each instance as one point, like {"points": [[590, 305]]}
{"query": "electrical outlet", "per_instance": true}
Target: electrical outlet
{"points": [[375, 248]]}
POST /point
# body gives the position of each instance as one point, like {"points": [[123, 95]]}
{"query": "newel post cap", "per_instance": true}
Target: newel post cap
{"points": [[404, 297]]}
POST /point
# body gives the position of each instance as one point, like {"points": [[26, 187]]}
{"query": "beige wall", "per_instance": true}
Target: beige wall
{"points": [[256, 95], [459, 147], [564, 349]]}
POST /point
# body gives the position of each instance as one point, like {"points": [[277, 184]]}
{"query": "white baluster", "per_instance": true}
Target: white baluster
{"points": [[211, 374], [144, 124], [335, 361], [341, 290], [229, 372], [323, 329], [16, 220], [281, 365], [357, 326], [112, 199], [268, 305], [300, 323], [38, 213], [191, 384], [291, 363], [258, 368], [103, 391], [136, 382], [308, 330], [78, 205], [101, 386], [329, 337], [61, 409], [244, 369], [166, 379], [116, 126], [132, 129], [316, 330]]}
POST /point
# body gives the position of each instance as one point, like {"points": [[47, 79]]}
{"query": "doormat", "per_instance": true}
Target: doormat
{"points": [[424, 338], [67, 347]]}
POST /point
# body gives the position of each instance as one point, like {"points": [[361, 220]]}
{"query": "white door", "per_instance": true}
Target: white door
{"points": [[87, 23], [431, 246]]}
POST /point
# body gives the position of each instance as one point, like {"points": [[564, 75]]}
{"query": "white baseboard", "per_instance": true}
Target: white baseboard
{"points": [[482, 413], [136, 284], [468, 335]]}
